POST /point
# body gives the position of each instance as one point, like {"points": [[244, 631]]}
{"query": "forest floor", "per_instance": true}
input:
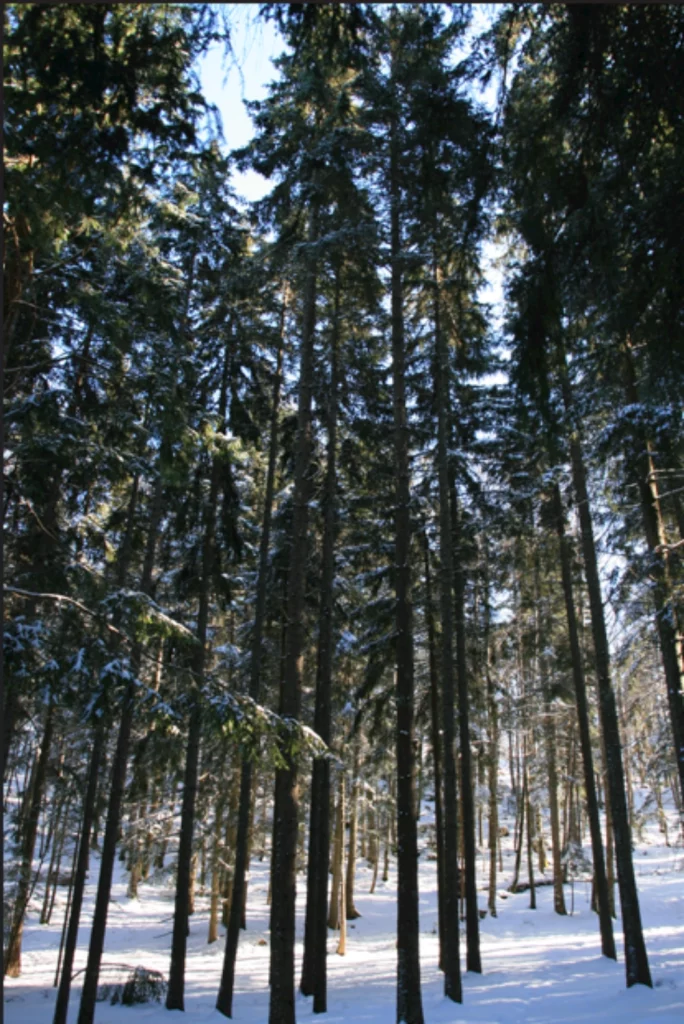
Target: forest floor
{"points": [[537, 967]]}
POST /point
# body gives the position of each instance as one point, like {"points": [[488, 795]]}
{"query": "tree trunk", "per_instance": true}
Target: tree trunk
{"points": [[386, 860], [493, 752], [636, 959], [436, 752], [86, 1011], [374, 845], [284, 856], [409, 1000], [550, 743], [314, 965], [661, 585], [67, 911], [549, 730], [213, 934], [342, 897], [338, 860], [224, 1001], [60, 832], [473, 959], [176, 989], [11, 714], [79, 877], [351, 913], [530, 844], [28, 843], [450, 957], [519, 827], [605, 919]]}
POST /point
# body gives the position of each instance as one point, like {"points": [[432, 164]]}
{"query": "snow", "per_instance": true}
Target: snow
{"points": [[538, 967]]}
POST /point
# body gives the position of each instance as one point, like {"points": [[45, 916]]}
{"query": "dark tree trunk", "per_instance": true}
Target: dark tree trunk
{"points": [[176, 990], [451, 962], [284, 857], [605, 920], [12, 960], [79, 877], [351, 913], [552, 774], [86, 1011], [473, 961], [636, 959], [530, 840], [409, 1000], [549, 729], [314, 967], [493, 752], [436, 752], [11, 711], [213, 933], [334, 912], [518, 834], [89, 993], [661, 582], [224, 1001], [59, 836]]}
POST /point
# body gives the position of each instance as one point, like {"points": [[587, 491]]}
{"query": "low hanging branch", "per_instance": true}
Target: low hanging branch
{"points": [[156, 614], [63, 599]]}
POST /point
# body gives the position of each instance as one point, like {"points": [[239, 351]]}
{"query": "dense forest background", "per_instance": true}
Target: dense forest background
{"points": [[296, 533]]}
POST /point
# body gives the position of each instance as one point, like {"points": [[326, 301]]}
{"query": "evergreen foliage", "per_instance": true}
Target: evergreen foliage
{"points": [[285, 503]]}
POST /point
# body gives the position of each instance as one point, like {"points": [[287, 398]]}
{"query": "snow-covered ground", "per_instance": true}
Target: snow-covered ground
{"points": [[537, 967]]}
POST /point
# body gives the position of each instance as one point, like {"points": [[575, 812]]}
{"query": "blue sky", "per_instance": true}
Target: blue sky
{"points": [[246, 75], [227, 82]]}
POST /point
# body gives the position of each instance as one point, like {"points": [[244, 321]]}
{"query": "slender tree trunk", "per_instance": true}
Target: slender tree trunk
{"points": [[213, 935], [338, 860], [51, 819], [473, 959], [89, 993], [176, 989], [192, 886], [661, 584], [610, 856], [493, 752], [450, 958], [513, 887], [86, 1011], [79, 877], [390, 825], [67, 912], [28, 844], [374, 845], [234, 791], [342, 897], [605, 919], [351, 912], [11, 714], [530, 843], [409, 1000], [636, 959], [224, 1001], [436, 752], [134, 855], [55, 860], [284, 856], [515, 788], [539, 832], [550, 743], [314, 966], [549, 730]]}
